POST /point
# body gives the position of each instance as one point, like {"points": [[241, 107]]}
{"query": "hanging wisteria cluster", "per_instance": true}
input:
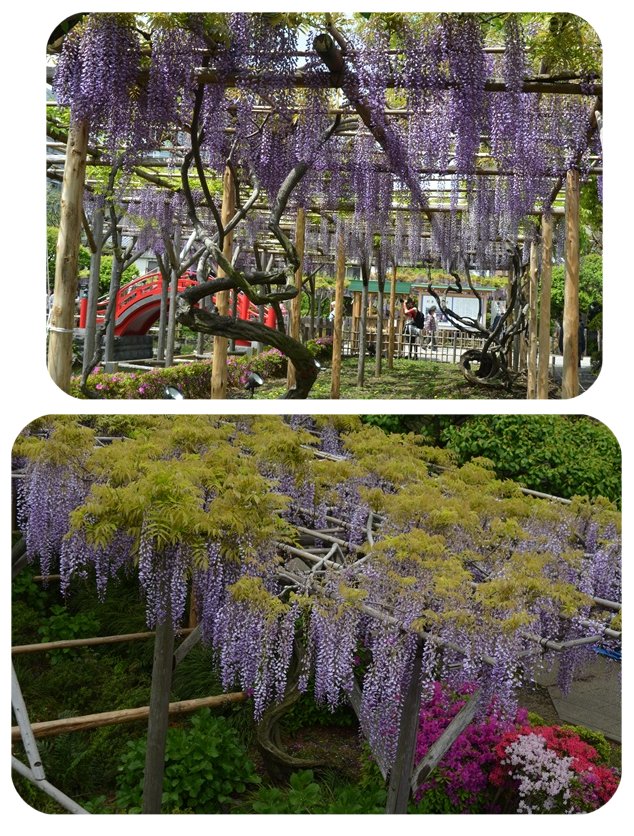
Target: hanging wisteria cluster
{"points": [[431, 120], [445, 562]]}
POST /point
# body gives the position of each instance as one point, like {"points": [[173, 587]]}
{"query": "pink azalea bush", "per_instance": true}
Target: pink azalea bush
{"points": [[497, 765], [463, 773], [550, 769], [193, 379]]}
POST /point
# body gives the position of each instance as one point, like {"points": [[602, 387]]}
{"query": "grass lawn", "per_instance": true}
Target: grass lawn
{"points": [[409, 379]]}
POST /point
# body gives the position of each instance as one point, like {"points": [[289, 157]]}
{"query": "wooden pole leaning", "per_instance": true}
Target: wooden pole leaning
{"points": [[390, 326], [531, 389], [337, 341], [544, 306], [62, 313], [570, 374], [294, 325], [219, 356]]}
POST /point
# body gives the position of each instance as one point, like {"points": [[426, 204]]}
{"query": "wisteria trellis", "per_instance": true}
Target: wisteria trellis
{"points": [[447, 118], [489, 577]]}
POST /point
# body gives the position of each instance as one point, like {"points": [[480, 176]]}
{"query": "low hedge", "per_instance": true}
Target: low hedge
{"points": [[192, 379]]}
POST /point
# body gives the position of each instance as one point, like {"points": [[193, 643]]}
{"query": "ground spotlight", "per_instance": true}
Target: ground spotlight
{"points": [[253, 381], [171, 393]]}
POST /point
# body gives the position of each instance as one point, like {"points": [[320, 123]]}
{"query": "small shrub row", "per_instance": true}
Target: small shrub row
{"points": [[192, 379]]}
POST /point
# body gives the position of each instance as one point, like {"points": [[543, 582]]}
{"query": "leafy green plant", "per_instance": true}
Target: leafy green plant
{"points": [[590, 284], [353, 800], [305, 795], [62, 625], [205, 768], [29, 592], [562, 455]]}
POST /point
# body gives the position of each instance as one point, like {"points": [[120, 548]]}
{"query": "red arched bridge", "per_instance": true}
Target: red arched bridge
{"points": [[139, 304]]}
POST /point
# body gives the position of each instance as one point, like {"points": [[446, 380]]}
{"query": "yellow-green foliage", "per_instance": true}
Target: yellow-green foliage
{"points": [[395, 458], [600, 509], [341, 423], [329, 475], [187, 483], [269, 438], [527, 577], [69, 443], [194, 479], [252, 591], [424, 557]]}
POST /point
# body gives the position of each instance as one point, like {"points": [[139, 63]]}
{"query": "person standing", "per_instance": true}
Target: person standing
{"points": [[430, 327]]}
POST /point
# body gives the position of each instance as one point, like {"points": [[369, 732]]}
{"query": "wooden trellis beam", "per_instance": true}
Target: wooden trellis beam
{"points": [[52, 728], [93, 641]]}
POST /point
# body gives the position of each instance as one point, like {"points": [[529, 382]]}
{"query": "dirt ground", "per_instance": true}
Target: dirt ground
{"points": [[536, 698]]}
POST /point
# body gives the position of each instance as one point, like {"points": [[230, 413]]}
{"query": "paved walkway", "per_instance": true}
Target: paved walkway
{"points": [[586, 375], [594, 699]]}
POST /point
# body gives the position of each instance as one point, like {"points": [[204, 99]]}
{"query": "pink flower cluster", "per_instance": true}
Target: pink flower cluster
{"points": [[552, 770], [464, 771], [497, 765]]}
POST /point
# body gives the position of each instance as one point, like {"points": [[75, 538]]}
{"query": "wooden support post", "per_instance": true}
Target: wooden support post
{"points": [[158, 715], [378, 345], [390, 327], [62, 315], [219, 357], [401, 772], [295, 319], [113, 292], [570, 374], [531, 388], [337, 342], [544, 306], [162, 323], [171, 317], [363, 324], [356, 317], [90, 329]]}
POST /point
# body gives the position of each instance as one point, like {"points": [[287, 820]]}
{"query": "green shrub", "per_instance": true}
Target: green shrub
{"points": [[29, 604], [564, 456], [205, 768], [590, 284], [305, 795], [62, 625]]}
